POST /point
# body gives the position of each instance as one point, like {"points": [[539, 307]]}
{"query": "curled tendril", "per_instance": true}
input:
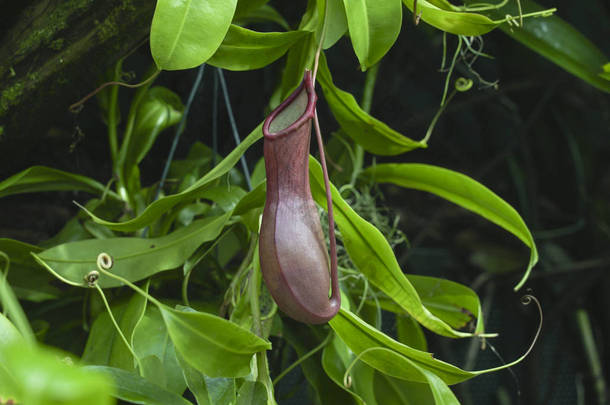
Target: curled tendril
{"points": [[104, 261], [347, 381], [91, 278], [463, 84]]}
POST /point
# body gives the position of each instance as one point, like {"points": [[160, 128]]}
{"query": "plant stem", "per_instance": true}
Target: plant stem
{"points": [[303, 358], [180, 128], [586, 333], [225, 93], [365, 103], [113, 114], [119, 331]]}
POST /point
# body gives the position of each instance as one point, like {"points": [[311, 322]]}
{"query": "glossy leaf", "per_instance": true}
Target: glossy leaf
{"points": [[244, 49], [162, 205], [159, 109], [134, 258], [373, 26], [8, 332], [152, 344], [185, 33], [393, 391], [454, 303], [452, 21], [461, 190], [212, 345], [373, 256], [556, 40], [208, 391], [335, 360], [41, 178], [396, 359], [410, 333], [104, 346], [251, 393], [137, 390], [336, 23], [373, 135], [37, 375], [27, 279]]}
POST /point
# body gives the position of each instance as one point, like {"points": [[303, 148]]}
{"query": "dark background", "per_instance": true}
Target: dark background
{"points": [[540, 141]]}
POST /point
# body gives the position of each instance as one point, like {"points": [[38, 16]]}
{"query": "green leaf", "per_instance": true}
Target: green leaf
{"points": [[41, 178], [556, 40], [373, 256], [410, 333], [208, 391], [454, 22], [185, 33], [152, 344], [335, 360], [251, 393], [303, 338], [104, 345], [25, 275], [244, 49], [137, 390], [10, 306], [373, 135], [374, 26], [159, 109], [454, 303], [8, 332], [396, 360], [212, 345], [461, 190], [336, 23], [134, 258], [162, 205], [393, 391], [37, 375]]}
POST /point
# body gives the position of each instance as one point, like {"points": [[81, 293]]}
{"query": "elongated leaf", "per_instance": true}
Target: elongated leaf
{"points": [[152, 344], [41, 178], [159, 109], [360, 336], [26, 278], [373, 26], [454, 22], [137, 390], [392, 391], [162, 205], [208, 391], [336, 23], [373, 135], [251, 393], [37, 375], [373, 256], [264, 14], [556, 40], [244, 49], [120, 356], [461, 190], [8, 332], [212, 345], [185, 33], [454, 303], [335, 360], [134, 258]]}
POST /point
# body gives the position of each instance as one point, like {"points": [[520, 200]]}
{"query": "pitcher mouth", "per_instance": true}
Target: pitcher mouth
{"points": [[293, 112]]}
